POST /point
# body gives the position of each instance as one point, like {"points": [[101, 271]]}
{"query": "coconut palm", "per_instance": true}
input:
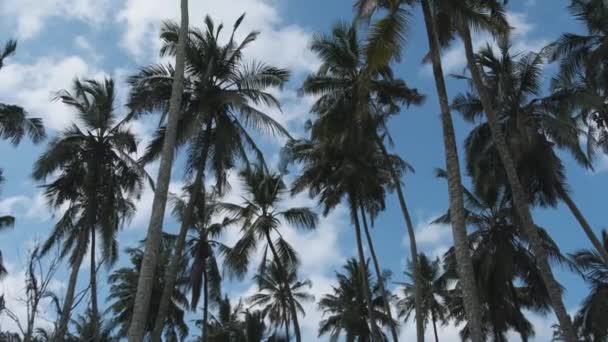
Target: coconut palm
{"points": [[14, 121], [94, 175], [85, 329], [262, 217], [534, 127], [345, 310], [154, 233], [591, 320], [218, 112], [434, 290], [390, 32], [226, 324], [123, 283], [274, 299], [582, 63], [351, 91]]}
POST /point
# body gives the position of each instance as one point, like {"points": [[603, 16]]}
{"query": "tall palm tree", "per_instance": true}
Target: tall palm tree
{"points": [[262, 217], [218, 112], [154, 234], [534, 126], [123, 283], [345, 310], [582, 69], [432, 19], [95, 176], [351, 91], [591, 320], [273, 298], [434, 290]]}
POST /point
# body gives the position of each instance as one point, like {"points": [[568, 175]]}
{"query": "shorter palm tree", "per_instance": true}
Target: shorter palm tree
{"points": [[345, 309], [273, 297], [87, 329], [434, 290], [123, 285], [591, 321]]}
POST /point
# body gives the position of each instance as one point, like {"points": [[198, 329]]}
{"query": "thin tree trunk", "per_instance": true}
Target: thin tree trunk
{"points": [[93, 280], [205, 336], [153, 238], [466, 273], [599, 247], [292, 304], [66, 310], [363, 269], [385, 298], [520, 200], [178, 251], [287, 331], [434, 325], [413, 246]]}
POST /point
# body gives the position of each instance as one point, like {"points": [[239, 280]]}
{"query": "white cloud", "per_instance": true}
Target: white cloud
{"points": [[31, 207], [30, 16]]}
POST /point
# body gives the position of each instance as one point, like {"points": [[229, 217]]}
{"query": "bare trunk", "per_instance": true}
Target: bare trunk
{"points": [[385, 298], [413, 246], [465, 269], [519, 197], [292, 303], [176, 260], [204, 335], [66, 312], [599, 247], [93, 280], [434, 325], [153, 238], [363, 269]]}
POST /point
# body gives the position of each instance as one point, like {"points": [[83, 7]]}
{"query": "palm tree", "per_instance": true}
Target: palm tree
{"points": [[345, 310], [218, 112], [154, 234], [6, 221], [591, 320], [434, 290], [14, 122], [95, 176], [226, 325], [432, 19], [533, 127], [274, 299], [86, 329], [582, 63], [123, 283], [262, 218], [201, 245]]}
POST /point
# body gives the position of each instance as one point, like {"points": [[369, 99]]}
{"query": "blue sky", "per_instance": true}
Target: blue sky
{"points": [[62, 39]]}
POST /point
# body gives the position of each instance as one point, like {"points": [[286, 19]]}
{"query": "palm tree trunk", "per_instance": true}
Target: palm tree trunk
{"points": [[599, 247], [176, 260], [413, 246], [385, 298], [465, 269], [363, 269], [93, 280], [287, 331], [62, 326], [153, 238], [292, 304], [205, 336], [434, 319], [520, 200]]}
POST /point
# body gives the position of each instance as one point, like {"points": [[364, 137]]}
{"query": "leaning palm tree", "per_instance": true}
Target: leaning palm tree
{"points": [[219, 111], [123, 283], [390, 32], [262, 217], [345, 310], [591, 320], [273, 298], [351, 89], [154, 234], [534, 127], [434, 290], [93, 175]]}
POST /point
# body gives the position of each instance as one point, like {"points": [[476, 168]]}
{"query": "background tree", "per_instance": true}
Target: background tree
{"points": [[345, 310]]}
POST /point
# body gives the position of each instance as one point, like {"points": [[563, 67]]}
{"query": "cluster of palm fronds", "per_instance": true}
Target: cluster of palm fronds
{"points": [[213, 106]]}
